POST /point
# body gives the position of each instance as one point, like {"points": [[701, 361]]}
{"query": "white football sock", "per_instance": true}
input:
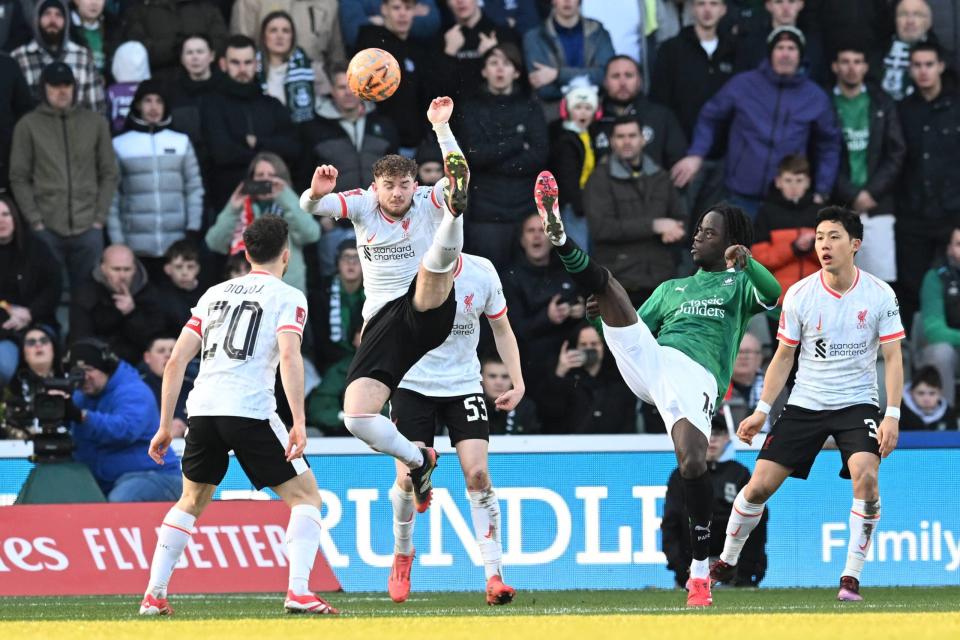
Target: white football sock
{"points": [[700, 569], [171, 541], [403, 519], [864, 517], [744, 518], [303, 540], [447, 244], [485, 513], [381, 435]]}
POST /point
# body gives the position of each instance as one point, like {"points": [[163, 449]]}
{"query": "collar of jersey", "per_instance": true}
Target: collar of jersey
{"points": [[837, 294], [258, 272]]}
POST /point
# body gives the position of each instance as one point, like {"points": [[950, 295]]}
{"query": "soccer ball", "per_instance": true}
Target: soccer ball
{"points": [[373, 74]]}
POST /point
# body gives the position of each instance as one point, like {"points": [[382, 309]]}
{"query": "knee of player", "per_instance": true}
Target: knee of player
{"points": [[477, 478], [757, 492], [692, 466], [865, 482]]}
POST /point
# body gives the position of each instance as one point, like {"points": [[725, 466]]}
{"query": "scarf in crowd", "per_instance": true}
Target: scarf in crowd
{"points": [[298, 84], [246, 219], [341, 313]]}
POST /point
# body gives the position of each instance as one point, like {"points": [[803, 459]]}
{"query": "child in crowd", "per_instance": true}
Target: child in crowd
{"points": [[182, 289], [924, 407], [130, 67], [571, 153]]}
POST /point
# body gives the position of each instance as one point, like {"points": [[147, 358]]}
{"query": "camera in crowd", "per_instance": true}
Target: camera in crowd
{"points": [[40, 413]]}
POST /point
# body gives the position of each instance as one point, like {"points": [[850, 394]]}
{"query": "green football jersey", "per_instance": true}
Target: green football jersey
{"points": [[704, 316]]}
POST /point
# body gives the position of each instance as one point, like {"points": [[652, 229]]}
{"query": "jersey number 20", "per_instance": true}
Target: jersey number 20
{"points": [[248, 310]]}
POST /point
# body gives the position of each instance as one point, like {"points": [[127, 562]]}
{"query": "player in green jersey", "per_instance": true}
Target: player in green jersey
{"points": [[698, 323]]}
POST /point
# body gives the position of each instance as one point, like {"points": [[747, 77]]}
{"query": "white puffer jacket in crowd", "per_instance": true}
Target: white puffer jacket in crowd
{"points": [[160, 195]]}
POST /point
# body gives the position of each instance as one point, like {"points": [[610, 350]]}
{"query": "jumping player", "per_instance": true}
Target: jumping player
{"points": [[444, 388], [409, 239], [839, 317], [698, 323], [242, 329]]}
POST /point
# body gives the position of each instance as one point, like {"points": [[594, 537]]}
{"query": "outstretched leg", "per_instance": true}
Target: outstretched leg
{"points": [[691, 447], [616, 310]]}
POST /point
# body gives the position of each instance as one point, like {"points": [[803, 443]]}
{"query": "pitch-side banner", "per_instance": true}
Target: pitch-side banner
{"points": [[571, 520], [102, 548]]}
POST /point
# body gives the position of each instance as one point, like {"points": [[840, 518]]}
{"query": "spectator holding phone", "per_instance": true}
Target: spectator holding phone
{"points": [[588, 395], [266, 191]]}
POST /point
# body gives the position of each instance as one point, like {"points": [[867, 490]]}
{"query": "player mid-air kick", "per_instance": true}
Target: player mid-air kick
{"points": [[242, 329], [840, 317], [698, 322], [409, 240], [443, 389]]}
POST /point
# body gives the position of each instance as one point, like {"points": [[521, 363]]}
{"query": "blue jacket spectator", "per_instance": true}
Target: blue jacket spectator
{"points": [[357, 13], [563, 47], [772, 112], [113, 417]]}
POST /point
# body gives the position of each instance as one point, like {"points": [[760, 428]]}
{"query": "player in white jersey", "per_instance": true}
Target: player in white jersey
{"points": [[443, 389], [840, 317], [409, 240], [242, 329]]}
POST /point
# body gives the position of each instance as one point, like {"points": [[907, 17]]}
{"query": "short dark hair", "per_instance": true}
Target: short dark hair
{"points": [[265, 238], [927, 45], [238, 41], [406, 2], [794, 163], [627, 118], [853, 46], [927, 375], [195, 35], [337, 68], [394, 166], [737, 225], [622, 56], [490, 357], [849, 220], [184, 249], [159, 336]]}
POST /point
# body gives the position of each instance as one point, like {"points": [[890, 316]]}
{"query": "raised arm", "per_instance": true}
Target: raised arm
{"points": [[509, 352], [320, 200]]}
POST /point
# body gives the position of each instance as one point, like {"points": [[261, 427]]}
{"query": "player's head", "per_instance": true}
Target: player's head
{"points": [[839, 235], [793, 177], [265, 240], [394, 182], [158, 353], [494, 376], [719, 227], [953, 247], [719, 437], [926, 389], [181, 263]]}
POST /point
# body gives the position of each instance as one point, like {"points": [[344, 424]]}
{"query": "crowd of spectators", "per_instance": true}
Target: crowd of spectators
{"points": [[138, 139]]}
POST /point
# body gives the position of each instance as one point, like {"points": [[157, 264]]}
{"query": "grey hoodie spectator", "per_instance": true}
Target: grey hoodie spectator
{"points": [[64, 173], [52, 44], [160, 196]]}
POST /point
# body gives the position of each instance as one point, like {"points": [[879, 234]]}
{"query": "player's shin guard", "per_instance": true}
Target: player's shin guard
{"points": [[381, 435], [699, 498], [744, 518], [485, 512], [172, 539], [303, 540], [864, 517], [588, 275], [403, 519], [447, 244]]}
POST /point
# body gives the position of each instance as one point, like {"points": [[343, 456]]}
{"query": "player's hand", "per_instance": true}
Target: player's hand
{"points": [[887, 435], [440, 111], [750, 426], [557, 312], [323, 182], [542, 75], [684, 170], [160, 443], [736, 256], [297, 442], [453, 40], [509, 400], [592, 308]]}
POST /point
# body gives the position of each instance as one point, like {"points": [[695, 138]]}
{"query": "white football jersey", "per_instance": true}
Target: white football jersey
{"points": [[239, 321], [453, 369], [390, 250], [839, 336]]}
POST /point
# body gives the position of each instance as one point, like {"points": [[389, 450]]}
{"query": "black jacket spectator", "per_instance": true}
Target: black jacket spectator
{"points": [[14, 27], [685, 77], [728, 477], [406, 107], [567, 155], [15, 101], [94, 312], [176, 304], [885, 153], [235, 111], [666, 142], [458, 74]]}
